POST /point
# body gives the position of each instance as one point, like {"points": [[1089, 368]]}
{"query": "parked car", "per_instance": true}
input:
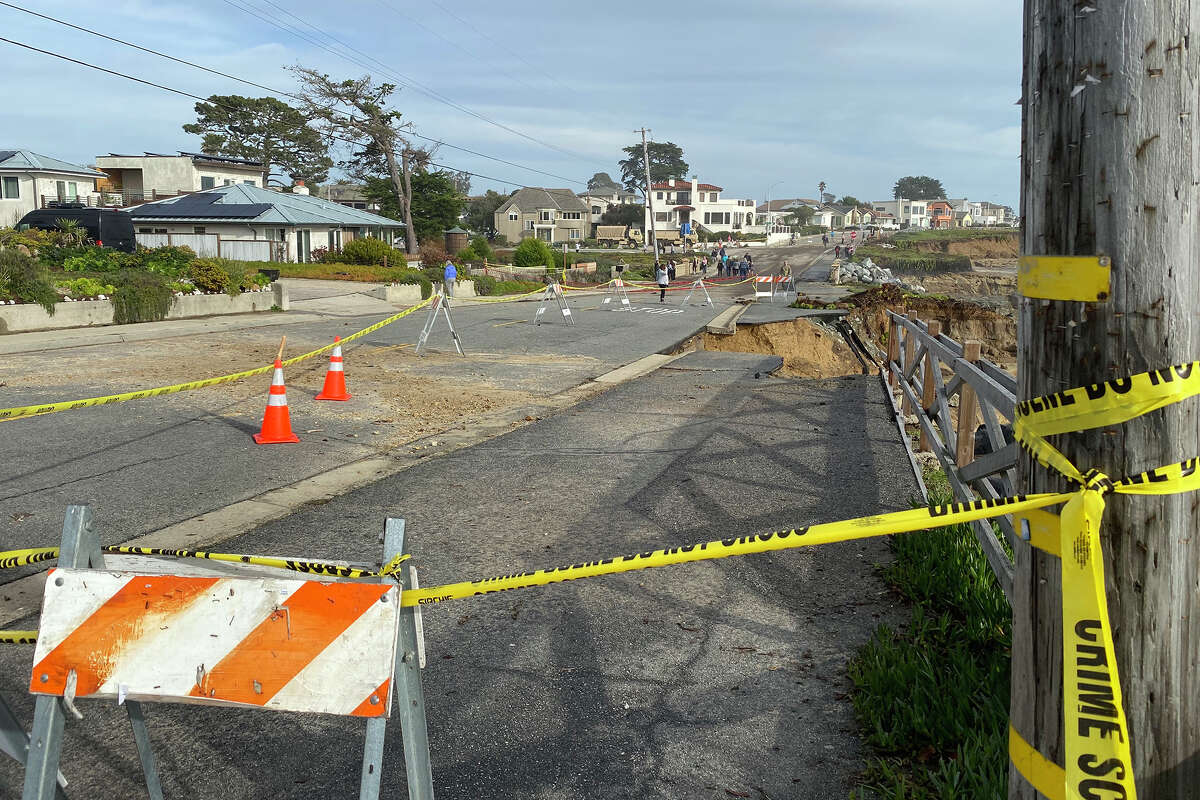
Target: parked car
{"points": [[106, 227]]}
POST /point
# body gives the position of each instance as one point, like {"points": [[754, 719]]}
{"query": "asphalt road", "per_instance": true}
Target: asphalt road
{"points": [[147, 464], [708, 680]]}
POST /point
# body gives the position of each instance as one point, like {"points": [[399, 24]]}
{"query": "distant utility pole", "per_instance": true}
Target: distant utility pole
{"points": [[1109, 167], [651, 239]]}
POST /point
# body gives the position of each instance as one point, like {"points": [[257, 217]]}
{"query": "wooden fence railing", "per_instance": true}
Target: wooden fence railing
{"points": [[931, 371]]}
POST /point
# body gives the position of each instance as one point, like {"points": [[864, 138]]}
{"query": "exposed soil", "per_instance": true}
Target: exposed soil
{"points": [[1004, 246], [808, 350]]}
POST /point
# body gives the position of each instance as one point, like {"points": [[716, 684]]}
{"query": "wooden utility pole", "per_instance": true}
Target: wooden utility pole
{"points": [[651, 239], [1111, 166]]}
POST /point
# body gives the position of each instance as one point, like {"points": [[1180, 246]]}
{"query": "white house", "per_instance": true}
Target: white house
{"points": [[293, 224], [29, 181], [909, 213], [677, 202], [150, 176]]}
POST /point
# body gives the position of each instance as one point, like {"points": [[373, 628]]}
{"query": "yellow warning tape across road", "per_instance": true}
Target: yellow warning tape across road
{"points": [[70, 405]]}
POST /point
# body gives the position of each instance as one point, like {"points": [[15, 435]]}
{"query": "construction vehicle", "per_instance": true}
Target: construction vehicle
{"points": [[618, 236]]}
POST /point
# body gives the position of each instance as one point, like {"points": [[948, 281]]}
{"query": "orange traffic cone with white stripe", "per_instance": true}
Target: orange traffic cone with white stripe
{"points": [[335, 376], [276, 424]]}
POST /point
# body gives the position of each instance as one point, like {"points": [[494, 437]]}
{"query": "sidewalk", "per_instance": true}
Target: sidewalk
{"points": [[705, 680]]}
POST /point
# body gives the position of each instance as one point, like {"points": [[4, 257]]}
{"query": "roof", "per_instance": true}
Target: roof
{"points": [[682, 184], [27, 160], [785, 203], [227, 160], [535, 197], [241, 201]]}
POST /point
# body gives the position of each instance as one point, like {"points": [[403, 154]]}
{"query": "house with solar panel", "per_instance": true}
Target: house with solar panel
{"points": [[29, 181], [250, 223]]}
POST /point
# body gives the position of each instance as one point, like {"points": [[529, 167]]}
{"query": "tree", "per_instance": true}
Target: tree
{"points": [[918, 187], [533, 252], [436, 203], [262, 129], [481, 211], [800, 215], [821, 192], [624, 214], [666, 161], [602, 181], [850, 200], [1109, 167], [357, 110]]}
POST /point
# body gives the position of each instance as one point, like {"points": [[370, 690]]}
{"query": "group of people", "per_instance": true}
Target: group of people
{"points": [[718, 258]]}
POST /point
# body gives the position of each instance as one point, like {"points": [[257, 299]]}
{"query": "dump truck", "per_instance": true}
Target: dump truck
{"points": [[618, 236]]}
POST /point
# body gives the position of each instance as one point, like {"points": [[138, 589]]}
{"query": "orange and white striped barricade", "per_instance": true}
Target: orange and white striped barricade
{"points": [[14, 741], [617, 296], [281, 643], [554, 292], [439, 303], [785, 284], [764, 286], [699, 284]]}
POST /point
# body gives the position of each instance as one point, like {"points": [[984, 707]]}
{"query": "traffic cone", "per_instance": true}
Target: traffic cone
{"points": [[276, 424], [335, 376]]}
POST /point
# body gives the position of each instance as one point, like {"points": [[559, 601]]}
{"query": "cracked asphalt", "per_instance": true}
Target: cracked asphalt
{"points": [[710, 680]]}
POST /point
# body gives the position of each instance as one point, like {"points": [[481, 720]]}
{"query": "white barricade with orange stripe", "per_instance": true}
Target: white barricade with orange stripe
{"points": [[764, 286], [224, 634]]}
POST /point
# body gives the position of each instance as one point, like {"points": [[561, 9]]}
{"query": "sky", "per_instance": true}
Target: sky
{"points": [[764, 96]]}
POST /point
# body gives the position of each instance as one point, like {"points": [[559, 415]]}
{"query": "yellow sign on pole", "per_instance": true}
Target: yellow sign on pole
{"points": [[1083, 278]]}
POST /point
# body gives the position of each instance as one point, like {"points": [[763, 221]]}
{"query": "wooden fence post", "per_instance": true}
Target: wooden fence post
{"points": [[968, 409], [928, 393], [910, 352], [893, 352]]}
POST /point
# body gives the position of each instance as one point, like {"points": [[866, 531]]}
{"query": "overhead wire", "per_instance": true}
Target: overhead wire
{"points": [[264, 87], [219, 105]]}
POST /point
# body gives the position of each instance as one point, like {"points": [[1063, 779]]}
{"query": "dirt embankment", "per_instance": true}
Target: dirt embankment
{"points": [[808, 350], [960, 320], [1004, 245]]}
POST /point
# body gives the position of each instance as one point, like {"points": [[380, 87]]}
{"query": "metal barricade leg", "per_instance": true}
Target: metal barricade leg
{"points": [[141, 737]]}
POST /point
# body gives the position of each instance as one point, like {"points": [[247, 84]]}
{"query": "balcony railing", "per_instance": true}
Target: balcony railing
{"points": [[109, 199]]}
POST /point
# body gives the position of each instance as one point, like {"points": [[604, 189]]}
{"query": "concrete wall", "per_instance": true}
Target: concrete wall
{"points": [[409, 294], [31, 317]]}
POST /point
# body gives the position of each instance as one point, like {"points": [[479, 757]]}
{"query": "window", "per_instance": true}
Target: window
{"points": [[658, 196], [574, 233], [160, 230], [145, 230], [660, 216], [198, 229], [12, 188], [228, 182], [250, 183], [712, 197], [547, 216], [571, 215], [514, 216], [67, 190], [528, 224], [207, 181], [596, 210]]}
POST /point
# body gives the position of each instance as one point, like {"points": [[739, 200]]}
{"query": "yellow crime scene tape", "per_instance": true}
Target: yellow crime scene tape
{"points": [[1097, 752], [70, 405]]}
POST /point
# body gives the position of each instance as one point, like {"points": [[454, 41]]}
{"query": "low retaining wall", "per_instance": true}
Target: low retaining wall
{"points": [[409, 294], [88, 313]]}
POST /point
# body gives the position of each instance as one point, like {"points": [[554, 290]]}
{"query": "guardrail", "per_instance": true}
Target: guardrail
{"points": [[931, 370]]}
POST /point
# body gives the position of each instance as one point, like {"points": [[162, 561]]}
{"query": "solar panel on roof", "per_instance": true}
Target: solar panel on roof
{"points": [[201, 205]]}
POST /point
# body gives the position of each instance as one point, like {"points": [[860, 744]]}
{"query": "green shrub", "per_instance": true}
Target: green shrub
{"points": [[481, 248], [169, 260], [85, 287], [485, 285], [417, 277], [514, 287], [372, 251], [906, 259], [23, 278], [141, 296], [533, 252], [468, 253], [94, 259], [209, 274]]}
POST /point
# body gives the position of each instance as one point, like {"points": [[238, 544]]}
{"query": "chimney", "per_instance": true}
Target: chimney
{"points": [[299, 188]]}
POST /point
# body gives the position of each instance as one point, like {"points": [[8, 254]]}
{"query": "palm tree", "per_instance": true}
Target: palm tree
{"points": [[821, 192]]}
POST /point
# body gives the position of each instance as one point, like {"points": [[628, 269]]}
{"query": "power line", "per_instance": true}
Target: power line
{"points": [[406, 80], [248, 82], [206, 100], [501, 45]]}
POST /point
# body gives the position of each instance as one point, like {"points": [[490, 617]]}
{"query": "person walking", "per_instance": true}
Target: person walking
{"points": [[749, 261], [824, 240], [671, 270], [786, 270], [837, 251], [660, 275], [449, 276], [704, 267]]}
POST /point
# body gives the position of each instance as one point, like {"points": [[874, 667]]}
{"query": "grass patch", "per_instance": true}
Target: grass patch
{"points": [[932, 700], [907, 259], [952, 234], [369, 273]]}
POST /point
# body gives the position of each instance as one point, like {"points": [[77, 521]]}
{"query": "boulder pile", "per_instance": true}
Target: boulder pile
{"points": [[868, 272]]}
